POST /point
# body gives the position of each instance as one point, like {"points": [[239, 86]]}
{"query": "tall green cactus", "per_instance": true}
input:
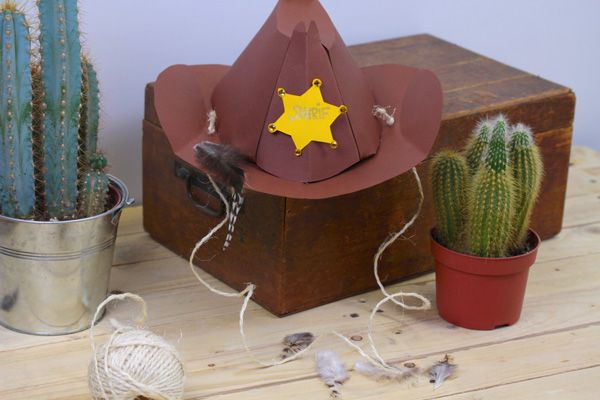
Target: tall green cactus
{"points": [[17, 198], [496, 191], [490, 201], [477, 145], [527, 173], [94, 190], [449, 180], [90, 113], [61, 75]]}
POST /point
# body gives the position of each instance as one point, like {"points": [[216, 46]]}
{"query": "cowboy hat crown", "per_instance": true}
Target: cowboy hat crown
{"points": [[299, 107]]}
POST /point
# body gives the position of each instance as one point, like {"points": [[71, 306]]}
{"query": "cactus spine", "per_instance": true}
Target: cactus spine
{"points": [[527, 173], [477, 145], [61, 75], [90, 112], [37, 134], [17, 185], [490, 199], [501, 188], [94, 191], [449, 179]]}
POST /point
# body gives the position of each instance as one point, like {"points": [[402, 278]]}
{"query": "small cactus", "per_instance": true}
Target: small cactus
{"points": [[490, 207], [94, 191], [17, 185], [501, 187], [90, 113], [449, 179], [60, 49], [527, 172]]}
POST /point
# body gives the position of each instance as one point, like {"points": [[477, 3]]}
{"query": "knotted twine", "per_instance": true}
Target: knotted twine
{"points": [[382, 113], [397, 298], [212, 122], [134, 363]]}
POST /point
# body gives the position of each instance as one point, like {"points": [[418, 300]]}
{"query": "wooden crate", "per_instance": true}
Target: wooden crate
{"points": [[305, 253]]}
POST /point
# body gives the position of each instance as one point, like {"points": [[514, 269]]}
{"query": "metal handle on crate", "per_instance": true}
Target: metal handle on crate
{"points": [[198, 180]]}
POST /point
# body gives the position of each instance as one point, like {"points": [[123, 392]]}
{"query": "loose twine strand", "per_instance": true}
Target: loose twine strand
{"points": [[248, 292], [425, 303]]}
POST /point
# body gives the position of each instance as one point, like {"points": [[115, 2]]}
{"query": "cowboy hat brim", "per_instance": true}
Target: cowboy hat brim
{"points": [[183, 100]]}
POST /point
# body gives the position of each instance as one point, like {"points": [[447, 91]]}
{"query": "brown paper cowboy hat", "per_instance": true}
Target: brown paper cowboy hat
{"points": [[299, 45]]}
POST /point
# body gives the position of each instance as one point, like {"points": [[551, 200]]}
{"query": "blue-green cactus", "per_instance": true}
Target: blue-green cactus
{"points": [[90, 112], [17, 185], [61, 76], [94, 188], [49, 116]]}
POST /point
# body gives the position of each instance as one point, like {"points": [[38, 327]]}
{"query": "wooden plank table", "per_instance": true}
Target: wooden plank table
{"points": [[552, 353]]}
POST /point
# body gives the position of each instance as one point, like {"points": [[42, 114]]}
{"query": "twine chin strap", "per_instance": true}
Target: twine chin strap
{"points": [[247, 293], [398, 298], [426, 304]]}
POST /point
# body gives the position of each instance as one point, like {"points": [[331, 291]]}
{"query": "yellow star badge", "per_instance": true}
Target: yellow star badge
{"points": [[307, 118]]}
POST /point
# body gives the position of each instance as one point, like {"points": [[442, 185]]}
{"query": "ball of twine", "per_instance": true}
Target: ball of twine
{"points": [[134, 363]]}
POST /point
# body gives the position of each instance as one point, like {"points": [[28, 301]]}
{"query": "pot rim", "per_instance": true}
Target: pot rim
{"points": [[486, 265], [117, 183]]}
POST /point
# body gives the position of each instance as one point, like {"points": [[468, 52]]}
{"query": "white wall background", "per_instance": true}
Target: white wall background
{"points": [[133, 40]]}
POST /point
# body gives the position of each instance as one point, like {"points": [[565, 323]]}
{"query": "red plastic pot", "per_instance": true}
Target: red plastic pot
{"points": [[481, 293]]}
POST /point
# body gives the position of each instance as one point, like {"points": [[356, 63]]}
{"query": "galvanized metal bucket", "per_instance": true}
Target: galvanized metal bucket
{"points": [[53, 275]]}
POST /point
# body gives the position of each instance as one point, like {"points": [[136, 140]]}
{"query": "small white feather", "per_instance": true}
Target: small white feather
{"points": [[332, 370], [441, 371]]}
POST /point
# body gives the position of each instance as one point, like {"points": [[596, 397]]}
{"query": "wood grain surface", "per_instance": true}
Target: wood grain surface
{"points": [[552, 353]]}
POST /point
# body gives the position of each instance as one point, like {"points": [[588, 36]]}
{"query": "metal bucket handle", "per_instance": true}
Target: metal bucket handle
{"points": [[123, 202]]}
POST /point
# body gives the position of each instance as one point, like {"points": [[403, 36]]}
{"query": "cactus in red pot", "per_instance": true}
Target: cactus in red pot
{"points": [[497, 196], [482, 266]]}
